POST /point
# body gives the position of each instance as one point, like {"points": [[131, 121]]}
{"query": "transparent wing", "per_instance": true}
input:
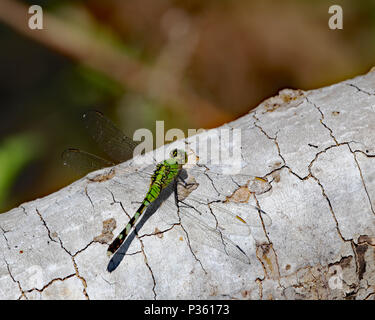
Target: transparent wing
{"points": [[257, 185], [235, 206], [109, 138], [83, 162], [204, 229], [210, 224], [231, 216], [234, 218]]}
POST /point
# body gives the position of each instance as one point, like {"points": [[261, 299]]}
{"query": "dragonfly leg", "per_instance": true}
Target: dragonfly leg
{"points": [[175, 193], [181, 179]]}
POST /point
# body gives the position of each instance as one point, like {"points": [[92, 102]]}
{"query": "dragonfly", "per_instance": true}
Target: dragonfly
{"points": [[119, 148]]}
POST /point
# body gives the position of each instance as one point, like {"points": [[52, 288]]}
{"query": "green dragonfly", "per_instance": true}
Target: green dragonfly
{"points": [[120, 148]]}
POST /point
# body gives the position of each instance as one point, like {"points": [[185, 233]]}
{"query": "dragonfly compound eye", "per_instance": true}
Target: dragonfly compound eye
{"points": [[179, 155], [174, 153]]}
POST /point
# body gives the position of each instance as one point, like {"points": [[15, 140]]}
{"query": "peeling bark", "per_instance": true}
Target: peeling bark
{"points": [[313, 154]]}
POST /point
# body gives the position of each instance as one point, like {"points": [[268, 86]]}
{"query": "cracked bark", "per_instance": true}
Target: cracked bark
{"points": [[316, 154]]}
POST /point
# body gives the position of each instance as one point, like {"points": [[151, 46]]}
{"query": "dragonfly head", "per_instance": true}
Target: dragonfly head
{"points": [[180, 156]]}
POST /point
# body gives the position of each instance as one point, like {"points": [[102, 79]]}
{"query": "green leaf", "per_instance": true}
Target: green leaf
{"points": [[15, 153]]}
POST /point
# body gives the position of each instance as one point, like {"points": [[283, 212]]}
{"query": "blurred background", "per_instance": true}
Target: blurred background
{"points": [[192, 63]]}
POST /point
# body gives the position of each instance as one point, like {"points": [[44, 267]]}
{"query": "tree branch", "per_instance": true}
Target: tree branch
{"points": [[313, 155]]}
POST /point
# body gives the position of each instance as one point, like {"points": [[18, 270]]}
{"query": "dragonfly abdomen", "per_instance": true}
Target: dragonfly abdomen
{"points": [[162, 177], [124, 233], [150, 197]]}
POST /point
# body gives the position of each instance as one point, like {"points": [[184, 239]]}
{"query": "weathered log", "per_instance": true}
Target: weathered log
{"points": [[315, 152]]}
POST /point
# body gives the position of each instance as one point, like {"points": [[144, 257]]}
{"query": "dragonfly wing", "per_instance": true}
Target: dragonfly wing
{"points": [[257, 185], [235, 217], [200, 169], [200, 227], [202, 224], [83, 162], [211, 235], [109, 138]]}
